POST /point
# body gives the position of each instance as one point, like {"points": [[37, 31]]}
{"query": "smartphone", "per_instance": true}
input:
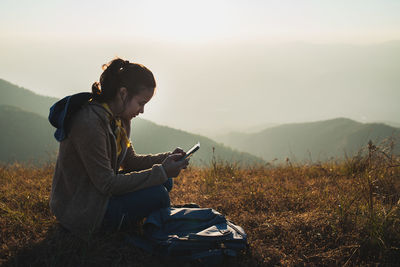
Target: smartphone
{"points": [[191, 151]]}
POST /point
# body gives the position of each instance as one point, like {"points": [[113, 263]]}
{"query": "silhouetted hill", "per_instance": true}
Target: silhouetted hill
{"points": [[27, 135], [14, 95], [148, 137], [315, 140]]}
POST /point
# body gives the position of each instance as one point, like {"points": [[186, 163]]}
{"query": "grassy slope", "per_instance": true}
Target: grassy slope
{"points": [[329, 214]]}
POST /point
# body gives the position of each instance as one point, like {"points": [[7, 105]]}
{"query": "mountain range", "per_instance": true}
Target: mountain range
{"points": [[27, 135], [315, 141]]}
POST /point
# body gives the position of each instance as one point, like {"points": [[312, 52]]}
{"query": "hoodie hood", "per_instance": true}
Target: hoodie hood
{"points": [[63, 110]]}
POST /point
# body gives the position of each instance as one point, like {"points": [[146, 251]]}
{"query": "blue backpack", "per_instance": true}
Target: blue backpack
{"points": [[191, 233]]}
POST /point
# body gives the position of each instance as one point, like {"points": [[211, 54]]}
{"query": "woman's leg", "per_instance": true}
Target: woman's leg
{"points": [[131, 207]]}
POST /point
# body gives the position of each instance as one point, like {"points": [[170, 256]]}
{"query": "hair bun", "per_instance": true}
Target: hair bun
{"points": [[122, 73], [96, 91], [114, 66]]}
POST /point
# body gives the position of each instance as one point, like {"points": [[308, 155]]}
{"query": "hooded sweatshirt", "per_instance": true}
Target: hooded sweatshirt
{"points": [[86, 173]]}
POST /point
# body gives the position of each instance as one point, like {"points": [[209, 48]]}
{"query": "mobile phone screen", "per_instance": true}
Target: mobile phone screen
{"points": [[191, 151]]}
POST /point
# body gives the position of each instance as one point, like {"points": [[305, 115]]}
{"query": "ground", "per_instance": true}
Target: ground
{"points": [[338, 213]]}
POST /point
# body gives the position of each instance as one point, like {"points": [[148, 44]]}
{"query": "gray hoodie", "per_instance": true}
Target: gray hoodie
{"points": [[86, 173]]}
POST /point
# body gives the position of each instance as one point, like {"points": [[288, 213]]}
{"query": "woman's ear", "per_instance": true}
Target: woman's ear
{"points": [[123, 93]]}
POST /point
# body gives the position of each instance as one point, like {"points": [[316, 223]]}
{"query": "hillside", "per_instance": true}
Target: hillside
{"points": [[28, 135], [25, 99], [301, 141], [310, 141], [148, 137], [25, 136]]}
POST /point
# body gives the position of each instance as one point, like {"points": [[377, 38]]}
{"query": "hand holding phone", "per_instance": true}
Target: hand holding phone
{"points": [[174, 163]]}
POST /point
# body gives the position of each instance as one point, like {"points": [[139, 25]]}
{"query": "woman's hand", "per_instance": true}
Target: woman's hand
{"points": [[179, 150], [173, 165]]}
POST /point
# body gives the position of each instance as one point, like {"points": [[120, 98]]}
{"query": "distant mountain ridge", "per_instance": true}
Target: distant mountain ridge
{"points": [[144, 135], [319, 140], [13, 95], [27, 135], [314, 141]]}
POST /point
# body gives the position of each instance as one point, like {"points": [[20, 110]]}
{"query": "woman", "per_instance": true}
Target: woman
{"points": [[99, 180]]}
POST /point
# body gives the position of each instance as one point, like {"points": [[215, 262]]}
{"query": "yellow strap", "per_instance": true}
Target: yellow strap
{"points": [[120, 132]]}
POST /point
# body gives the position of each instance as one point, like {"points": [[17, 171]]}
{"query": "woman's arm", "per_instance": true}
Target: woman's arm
{"points": [[137, 162]]}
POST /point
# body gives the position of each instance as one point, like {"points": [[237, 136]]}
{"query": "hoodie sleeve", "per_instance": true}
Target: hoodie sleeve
{"points": [[136, 162], [93, 145]]}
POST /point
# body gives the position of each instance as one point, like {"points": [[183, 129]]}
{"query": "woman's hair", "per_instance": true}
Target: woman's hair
{"points": [[121, 73]]}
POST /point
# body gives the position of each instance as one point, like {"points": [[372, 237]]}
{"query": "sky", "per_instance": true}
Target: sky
{"points": [[219, 65], [202, 21]]}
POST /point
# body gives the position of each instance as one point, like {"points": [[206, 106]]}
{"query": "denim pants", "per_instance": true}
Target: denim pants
{"points": [[130, 208]]}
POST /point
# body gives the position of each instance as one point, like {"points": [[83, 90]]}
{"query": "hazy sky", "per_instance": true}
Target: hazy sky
{"points": [[355, 21], [216, 62]]}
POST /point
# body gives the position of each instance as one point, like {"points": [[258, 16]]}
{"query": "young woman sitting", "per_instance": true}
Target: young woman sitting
{"points": [[99, 181]]}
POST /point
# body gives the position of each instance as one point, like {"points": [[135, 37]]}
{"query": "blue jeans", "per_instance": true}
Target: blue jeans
{"points": [[130, 208]]}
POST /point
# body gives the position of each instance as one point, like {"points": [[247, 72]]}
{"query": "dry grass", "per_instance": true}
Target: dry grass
{"points": [[335, 213]]}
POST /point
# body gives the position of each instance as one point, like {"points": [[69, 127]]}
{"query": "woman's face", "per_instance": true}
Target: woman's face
{"points": [[135, 105]]}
